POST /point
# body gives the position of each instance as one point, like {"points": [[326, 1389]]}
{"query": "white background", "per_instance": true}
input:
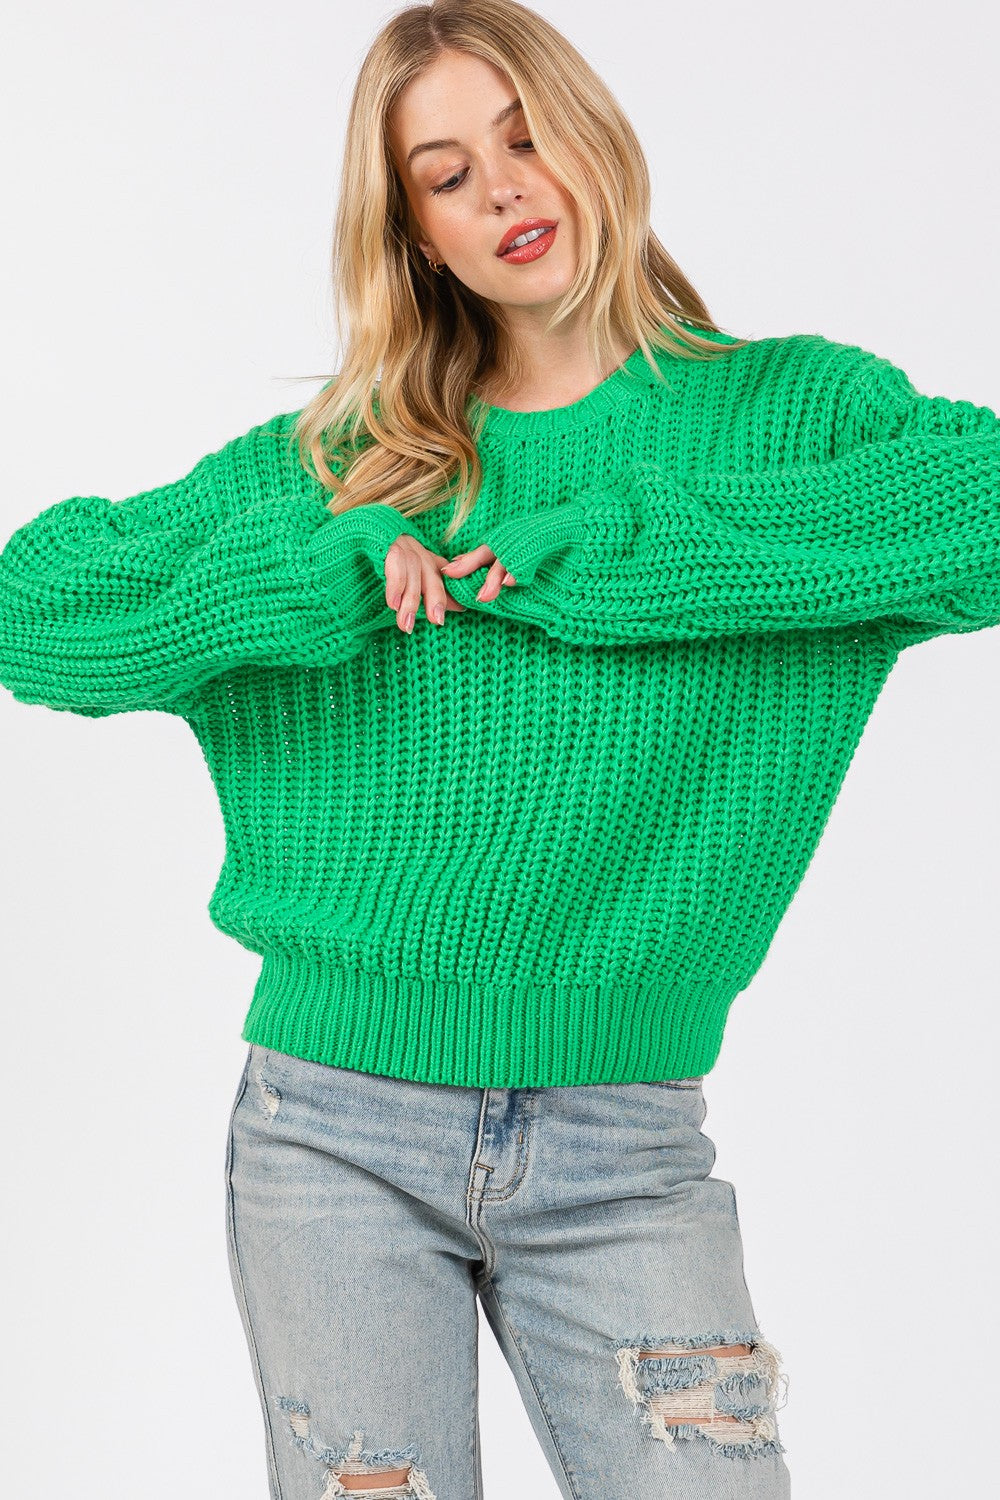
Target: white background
{"points": [[170, 175]]}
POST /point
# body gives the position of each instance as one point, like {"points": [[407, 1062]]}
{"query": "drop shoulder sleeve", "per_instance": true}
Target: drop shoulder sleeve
{"points": [[110, 606], [900, 524]]}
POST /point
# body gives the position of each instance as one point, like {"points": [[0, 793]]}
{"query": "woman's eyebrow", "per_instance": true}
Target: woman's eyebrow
{"points": [[505, 114]]}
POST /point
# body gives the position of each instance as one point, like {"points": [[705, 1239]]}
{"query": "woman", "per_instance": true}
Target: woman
{"points": [[508, 870]]}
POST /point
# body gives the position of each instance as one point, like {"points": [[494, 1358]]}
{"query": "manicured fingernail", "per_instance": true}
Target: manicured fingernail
{"points": [[408, 620], [437, 613]]}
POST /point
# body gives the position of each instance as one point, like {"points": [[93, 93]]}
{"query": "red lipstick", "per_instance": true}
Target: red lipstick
{"points": [[534, 247]]}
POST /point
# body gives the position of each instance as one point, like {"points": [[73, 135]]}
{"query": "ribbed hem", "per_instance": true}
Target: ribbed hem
{"points": [[484, 1036]]}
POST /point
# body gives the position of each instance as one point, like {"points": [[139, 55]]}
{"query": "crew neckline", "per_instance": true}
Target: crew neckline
{"points": [[624, 382], [629, 380]]}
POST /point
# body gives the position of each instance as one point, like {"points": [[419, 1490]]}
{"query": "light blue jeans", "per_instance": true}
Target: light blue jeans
{"points": [[366, 1215]]}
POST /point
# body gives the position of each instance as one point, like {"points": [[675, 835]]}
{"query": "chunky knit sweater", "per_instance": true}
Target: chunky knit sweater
{"points": [[551, 840]]}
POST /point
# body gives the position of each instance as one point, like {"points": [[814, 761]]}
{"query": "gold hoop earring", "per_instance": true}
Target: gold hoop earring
{"points": [[438, 268]]}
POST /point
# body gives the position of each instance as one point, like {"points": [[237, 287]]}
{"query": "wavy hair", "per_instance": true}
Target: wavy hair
{"points": [[426, 338]]}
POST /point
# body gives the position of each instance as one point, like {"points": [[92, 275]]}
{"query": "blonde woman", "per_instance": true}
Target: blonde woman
{"points": [[527, 659]]}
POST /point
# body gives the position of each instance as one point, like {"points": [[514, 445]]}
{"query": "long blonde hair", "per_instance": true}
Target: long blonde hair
{"points": [[411, 442]]}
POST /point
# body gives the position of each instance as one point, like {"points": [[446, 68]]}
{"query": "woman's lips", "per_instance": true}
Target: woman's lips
{"points": [[532, 250]]}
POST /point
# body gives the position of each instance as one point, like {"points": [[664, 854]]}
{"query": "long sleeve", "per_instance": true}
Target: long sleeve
{"points": [[110, 606], [901, 524]]}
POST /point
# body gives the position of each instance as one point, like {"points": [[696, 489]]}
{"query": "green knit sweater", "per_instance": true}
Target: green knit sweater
{"points": [[551, 840]]}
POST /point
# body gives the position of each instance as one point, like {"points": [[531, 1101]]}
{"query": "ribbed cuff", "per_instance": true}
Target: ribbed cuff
{"points": [[373, 528], [523, 542]]}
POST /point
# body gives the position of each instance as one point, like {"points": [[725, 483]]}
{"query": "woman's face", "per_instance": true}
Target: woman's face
{"points": [[467, 193]]}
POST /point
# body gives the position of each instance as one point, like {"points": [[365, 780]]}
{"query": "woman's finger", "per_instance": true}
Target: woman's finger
{"points": [[494, 582], [468, 562], [437, 600], [403, 580], [440, 563]]}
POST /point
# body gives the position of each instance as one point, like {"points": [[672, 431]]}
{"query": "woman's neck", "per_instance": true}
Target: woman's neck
{"points": [[547, 391]]}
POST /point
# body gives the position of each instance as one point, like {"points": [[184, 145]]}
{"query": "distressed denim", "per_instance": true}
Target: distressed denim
{"points": [[368, 1215]]}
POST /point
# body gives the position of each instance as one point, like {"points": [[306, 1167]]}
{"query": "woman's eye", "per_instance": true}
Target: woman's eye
{"points": [[444, 188], [453, 182]]}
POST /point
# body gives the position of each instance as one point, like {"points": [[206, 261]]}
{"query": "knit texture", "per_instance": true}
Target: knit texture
{"points": [[550, 841]]}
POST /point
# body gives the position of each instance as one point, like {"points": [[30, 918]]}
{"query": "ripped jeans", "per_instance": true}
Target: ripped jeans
{"points": [[366, 1216]]}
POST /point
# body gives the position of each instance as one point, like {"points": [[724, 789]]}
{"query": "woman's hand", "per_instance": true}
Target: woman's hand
{"points": [[467, 562], [413, 572]]}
